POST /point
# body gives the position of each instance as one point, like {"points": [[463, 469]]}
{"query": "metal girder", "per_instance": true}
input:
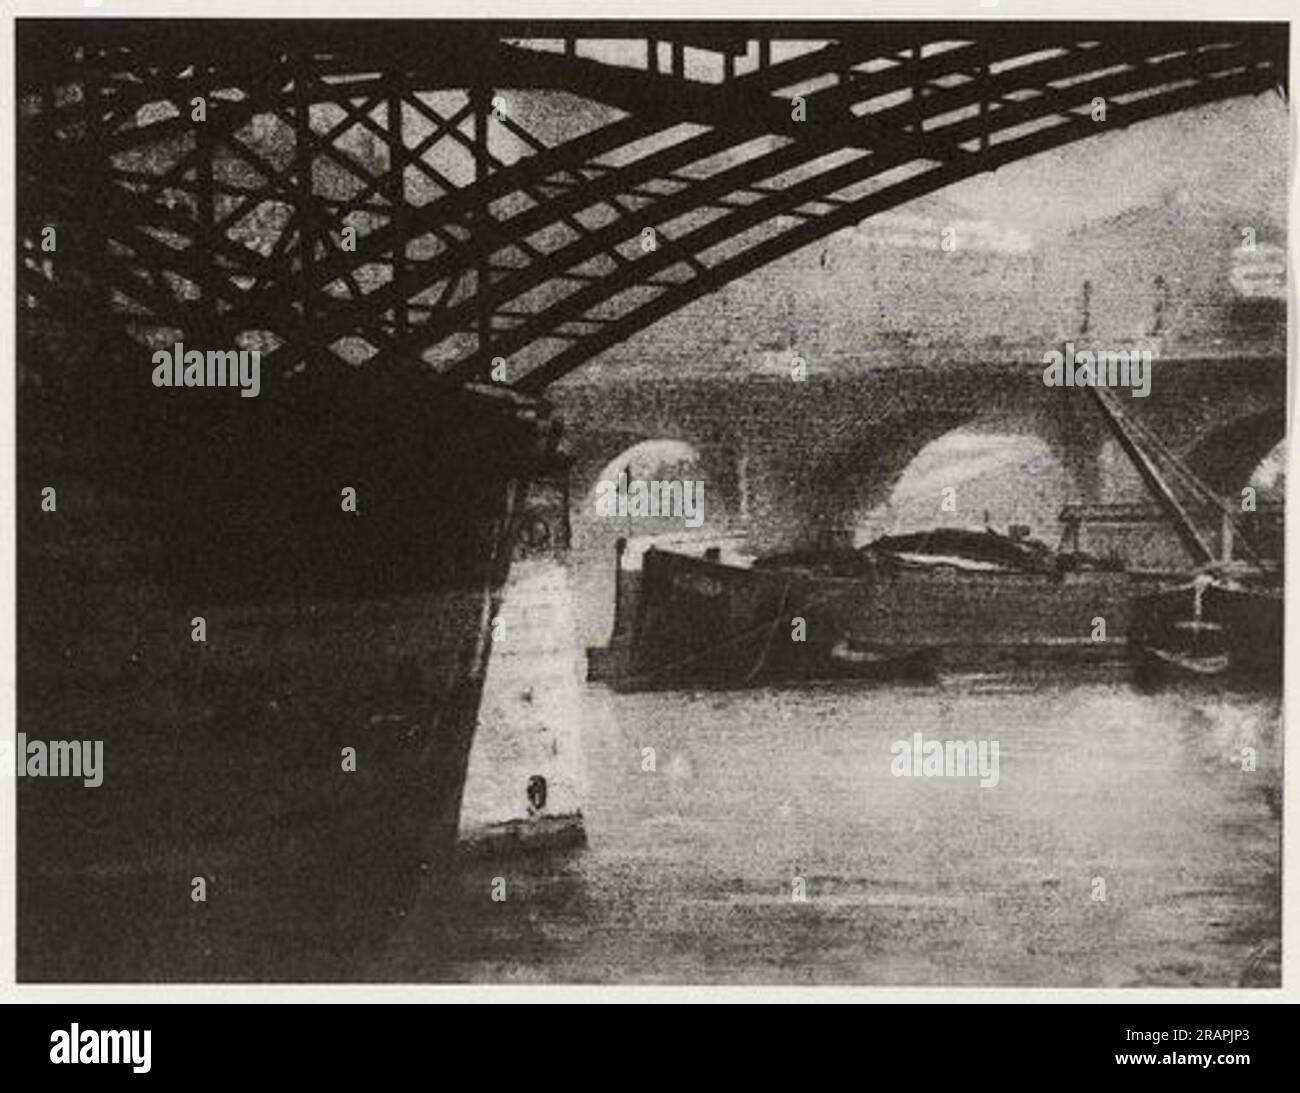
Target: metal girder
{"points": [[705, 192], [853, 212], [471, 253]]}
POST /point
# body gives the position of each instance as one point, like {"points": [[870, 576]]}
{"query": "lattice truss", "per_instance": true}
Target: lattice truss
{"points": [[498, 191]]}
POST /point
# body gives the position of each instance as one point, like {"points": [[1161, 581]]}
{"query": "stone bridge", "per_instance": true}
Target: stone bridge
{"points": [[794, 463]]}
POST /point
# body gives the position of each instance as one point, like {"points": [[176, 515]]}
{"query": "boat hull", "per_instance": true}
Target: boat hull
{"points": [[1211, 628], [700, 620]]}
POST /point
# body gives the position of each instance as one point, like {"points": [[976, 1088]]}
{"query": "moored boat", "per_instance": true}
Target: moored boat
{"points": [[1228, 618], [1227, 621], [896, 608]]}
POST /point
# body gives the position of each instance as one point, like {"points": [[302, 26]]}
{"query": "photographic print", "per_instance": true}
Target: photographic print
{"points": [[706, 502]]}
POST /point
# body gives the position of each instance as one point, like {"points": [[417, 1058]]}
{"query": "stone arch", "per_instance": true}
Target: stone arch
{"points": [[860, 471], [668, 457], [860, 476], [1226, 457]]}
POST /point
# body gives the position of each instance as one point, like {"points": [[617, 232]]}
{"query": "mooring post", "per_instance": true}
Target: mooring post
{"points": [[1226, 535], [620, 548]]}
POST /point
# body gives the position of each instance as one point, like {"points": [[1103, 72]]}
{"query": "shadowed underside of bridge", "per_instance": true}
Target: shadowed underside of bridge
{"points": [[664, 161]]}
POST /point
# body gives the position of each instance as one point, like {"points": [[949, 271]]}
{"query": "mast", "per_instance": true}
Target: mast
{"points": [[1183, 523]]}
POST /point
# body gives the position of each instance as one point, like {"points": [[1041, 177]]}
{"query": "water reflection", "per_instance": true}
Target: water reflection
{"points": [[692, 867]]}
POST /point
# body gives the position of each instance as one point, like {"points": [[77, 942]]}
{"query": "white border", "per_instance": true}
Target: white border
{"points": [[638, 10]]}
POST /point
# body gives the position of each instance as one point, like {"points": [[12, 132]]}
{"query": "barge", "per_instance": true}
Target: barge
{"points": [[896, 609]]}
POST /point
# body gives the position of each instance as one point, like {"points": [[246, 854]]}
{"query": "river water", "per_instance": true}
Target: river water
{"points": [[1125, 844]]}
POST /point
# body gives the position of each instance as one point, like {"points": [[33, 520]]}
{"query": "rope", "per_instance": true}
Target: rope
{"points": [[1190, 480], [762, 656]]}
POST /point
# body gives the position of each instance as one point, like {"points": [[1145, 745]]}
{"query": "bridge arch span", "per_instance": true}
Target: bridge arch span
{"points": [[826, 493], [698, 478], [1226, 457], [1001, 467]]}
